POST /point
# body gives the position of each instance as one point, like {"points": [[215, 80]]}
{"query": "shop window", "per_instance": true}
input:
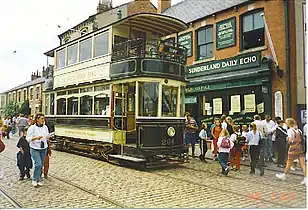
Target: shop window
{"points": [[72, 54], [61, 58], [85, 50], [101, 44], [169, 101], [205, 43], [101, 104], [86, 105], [61, 106], [252, 30], [72, 106], [148, 99]]}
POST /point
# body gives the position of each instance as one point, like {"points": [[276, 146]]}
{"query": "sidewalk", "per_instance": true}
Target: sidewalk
{"points": [[269, 166]]}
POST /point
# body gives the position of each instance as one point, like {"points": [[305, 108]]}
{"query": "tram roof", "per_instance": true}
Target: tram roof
{"points": [[159, 24]]}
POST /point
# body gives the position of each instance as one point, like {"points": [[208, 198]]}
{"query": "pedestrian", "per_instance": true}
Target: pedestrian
{"points": [[235, 153], [8, 126], [37, 136], [14, 120], [268, 148], [254, 139], [215, 133], [281, 143], [22, 123], [245, 146], [230, 125], [295, 150], [203, 144], [24, 161], [224, 146], [2, 146], [191, 129], [263, 131], [223, 122]]}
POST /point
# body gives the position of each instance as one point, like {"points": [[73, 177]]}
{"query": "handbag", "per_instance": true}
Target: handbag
{"points": [[2, 146]]}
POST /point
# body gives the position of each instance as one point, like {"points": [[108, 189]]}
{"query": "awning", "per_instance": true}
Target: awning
{"points": [[161, 25]]}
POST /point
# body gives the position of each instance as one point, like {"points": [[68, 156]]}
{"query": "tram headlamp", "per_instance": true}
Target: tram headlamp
{"points": [[171, 131]]}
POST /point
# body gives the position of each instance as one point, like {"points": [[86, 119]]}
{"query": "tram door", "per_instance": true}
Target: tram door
{"points": [[124, 110]]}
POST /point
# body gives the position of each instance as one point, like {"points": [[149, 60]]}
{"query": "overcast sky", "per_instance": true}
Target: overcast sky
{"points": [[29, 28]]}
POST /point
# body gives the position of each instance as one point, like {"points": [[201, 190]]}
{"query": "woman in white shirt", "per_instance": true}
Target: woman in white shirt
{"points": [[295, 150], [37, 137]]}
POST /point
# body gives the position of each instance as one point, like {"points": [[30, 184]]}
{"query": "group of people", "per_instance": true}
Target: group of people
{"points": [[16, 124], [33, 145], [265, 140]]}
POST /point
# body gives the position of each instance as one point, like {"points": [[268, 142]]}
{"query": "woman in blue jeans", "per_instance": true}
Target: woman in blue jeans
{"points": [[37, 137]]}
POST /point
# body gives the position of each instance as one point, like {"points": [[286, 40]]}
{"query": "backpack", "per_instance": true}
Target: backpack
{"points": [[225, 143]]}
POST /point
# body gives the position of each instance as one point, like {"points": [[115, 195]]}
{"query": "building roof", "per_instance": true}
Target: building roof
{"points": [[200, 8], [27, 84]]}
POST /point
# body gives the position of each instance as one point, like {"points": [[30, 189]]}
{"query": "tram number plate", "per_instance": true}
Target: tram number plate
{"points": [[167, 142]]}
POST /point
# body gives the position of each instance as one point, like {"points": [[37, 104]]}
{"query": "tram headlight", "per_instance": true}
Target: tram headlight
{"points": [[171, 131]]}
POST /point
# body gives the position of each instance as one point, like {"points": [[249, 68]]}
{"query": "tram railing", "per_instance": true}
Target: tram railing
{"points": [[141, 48]]}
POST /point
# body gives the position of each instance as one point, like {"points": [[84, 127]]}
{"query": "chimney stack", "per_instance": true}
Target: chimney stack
{"points": [[163, 5]]}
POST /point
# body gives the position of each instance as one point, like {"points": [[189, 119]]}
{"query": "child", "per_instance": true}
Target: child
{"points": [[24, 161], [46, 161], [237, 139], [203, 144], [245, 146], [224, 145]]}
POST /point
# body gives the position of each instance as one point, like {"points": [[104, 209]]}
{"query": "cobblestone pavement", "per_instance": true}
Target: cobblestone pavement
{"points": [[89, 183]]}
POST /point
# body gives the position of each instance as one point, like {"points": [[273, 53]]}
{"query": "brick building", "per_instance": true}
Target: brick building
{"points": [[231, 68]]}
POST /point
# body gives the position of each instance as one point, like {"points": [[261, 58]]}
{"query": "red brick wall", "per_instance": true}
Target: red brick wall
{"points": [[274, 14]]}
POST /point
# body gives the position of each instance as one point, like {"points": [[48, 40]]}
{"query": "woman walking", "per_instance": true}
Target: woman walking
{"points": [[215, 133], [295, 150], [225, 145], [281, 143], [37, 137]]}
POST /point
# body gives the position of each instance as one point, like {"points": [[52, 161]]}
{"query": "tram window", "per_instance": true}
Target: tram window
{"points": [[101, 44], [101, 104], [86, 105], [182, 102], [148, 99], [72, 106], [84, 90], [61, 58], [72, 54], [169, 101], [101, 88], [61, 106], [52, 104], [85, 50], [74, 91], [252, 30], [47, 102]]}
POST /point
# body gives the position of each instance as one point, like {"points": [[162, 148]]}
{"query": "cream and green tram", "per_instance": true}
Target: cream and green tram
{"points": [[136, 114]]}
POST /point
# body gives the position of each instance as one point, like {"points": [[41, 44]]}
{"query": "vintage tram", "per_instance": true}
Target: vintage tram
{"points": [[125, 101]]}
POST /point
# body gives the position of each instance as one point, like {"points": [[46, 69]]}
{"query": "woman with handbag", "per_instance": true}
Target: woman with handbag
{"points": [[37, 137]]}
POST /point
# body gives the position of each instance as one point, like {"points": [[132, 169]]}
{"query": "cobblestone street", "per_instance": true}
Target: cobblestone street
{"points": [[80, 182]]}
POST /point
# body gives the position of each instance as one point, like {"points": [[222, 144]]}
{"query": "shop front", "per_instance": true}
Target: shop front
{"points": [[238, 87]]}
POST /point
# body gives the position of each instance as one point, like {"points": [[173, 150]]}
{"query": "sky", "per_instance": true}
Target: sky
{"points": [[29, 29]]}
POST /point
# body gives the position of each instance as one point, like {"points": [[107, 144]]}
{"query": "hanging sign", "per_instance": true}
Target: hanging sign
{"points": [[250, 103], [236, 104], [278, 104], [217, 106], [225, 33]]}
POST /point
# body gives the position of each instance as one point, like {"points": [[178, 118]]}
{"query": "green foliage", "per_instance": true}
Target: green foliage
{"points": [[25, 109], [11, 108]]}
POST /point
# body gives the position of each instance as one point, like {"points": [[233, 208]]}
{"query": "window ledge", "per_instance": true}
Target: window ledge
{"points": [[253, 50], [204, 60]]}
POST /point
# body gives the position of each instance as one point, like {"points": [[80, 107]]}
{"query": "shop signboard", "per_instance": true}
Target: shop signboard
{"points": [[186, 41], [236, 103], [217, 106], [226, 33], [245, 61], [250, 103], [190, 99]]}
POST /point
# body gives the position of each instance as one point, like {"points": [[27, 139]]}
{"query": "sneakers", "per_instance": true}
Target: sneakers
{"points": [[292, 168], [304, 182], [281, 176], [243, 159], [34, 183], [40, 184], [227, 171]]}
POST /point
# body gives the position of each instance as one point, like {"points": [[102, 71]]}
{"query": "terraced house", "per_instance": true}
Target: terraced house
{"points": [[233, 68]]}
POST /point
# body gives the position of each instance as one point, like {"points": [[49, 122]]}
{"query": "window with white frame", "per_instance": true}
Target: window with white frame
{"points": [[101, 44], [38, 92], [85, 51], [61, 58], [252, 30], [205, 43], [72, 54]]}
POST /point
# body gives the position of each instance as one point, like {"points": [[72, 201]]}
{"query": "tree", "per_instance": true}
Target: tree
{"points": [[11, 108], [25, 109]]}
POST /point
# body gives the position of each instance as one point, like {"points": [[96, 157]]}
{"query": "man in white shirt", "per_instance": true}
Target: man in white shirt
{"points": [[263, 130], [270, 125]]}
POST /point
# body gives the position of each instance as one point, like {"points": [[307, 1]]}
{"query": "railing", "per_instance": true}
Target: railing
{"points": [[149, 49]]}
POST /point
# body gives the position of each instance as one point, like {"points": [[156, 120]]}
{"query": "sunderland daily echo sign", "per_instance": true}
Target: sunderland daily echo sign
{"points": [[229, 64]]}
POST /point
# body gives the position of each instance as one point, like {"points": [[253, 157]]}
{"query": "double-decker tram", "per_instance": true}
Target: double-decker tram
{"points": [[122, 97]]}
